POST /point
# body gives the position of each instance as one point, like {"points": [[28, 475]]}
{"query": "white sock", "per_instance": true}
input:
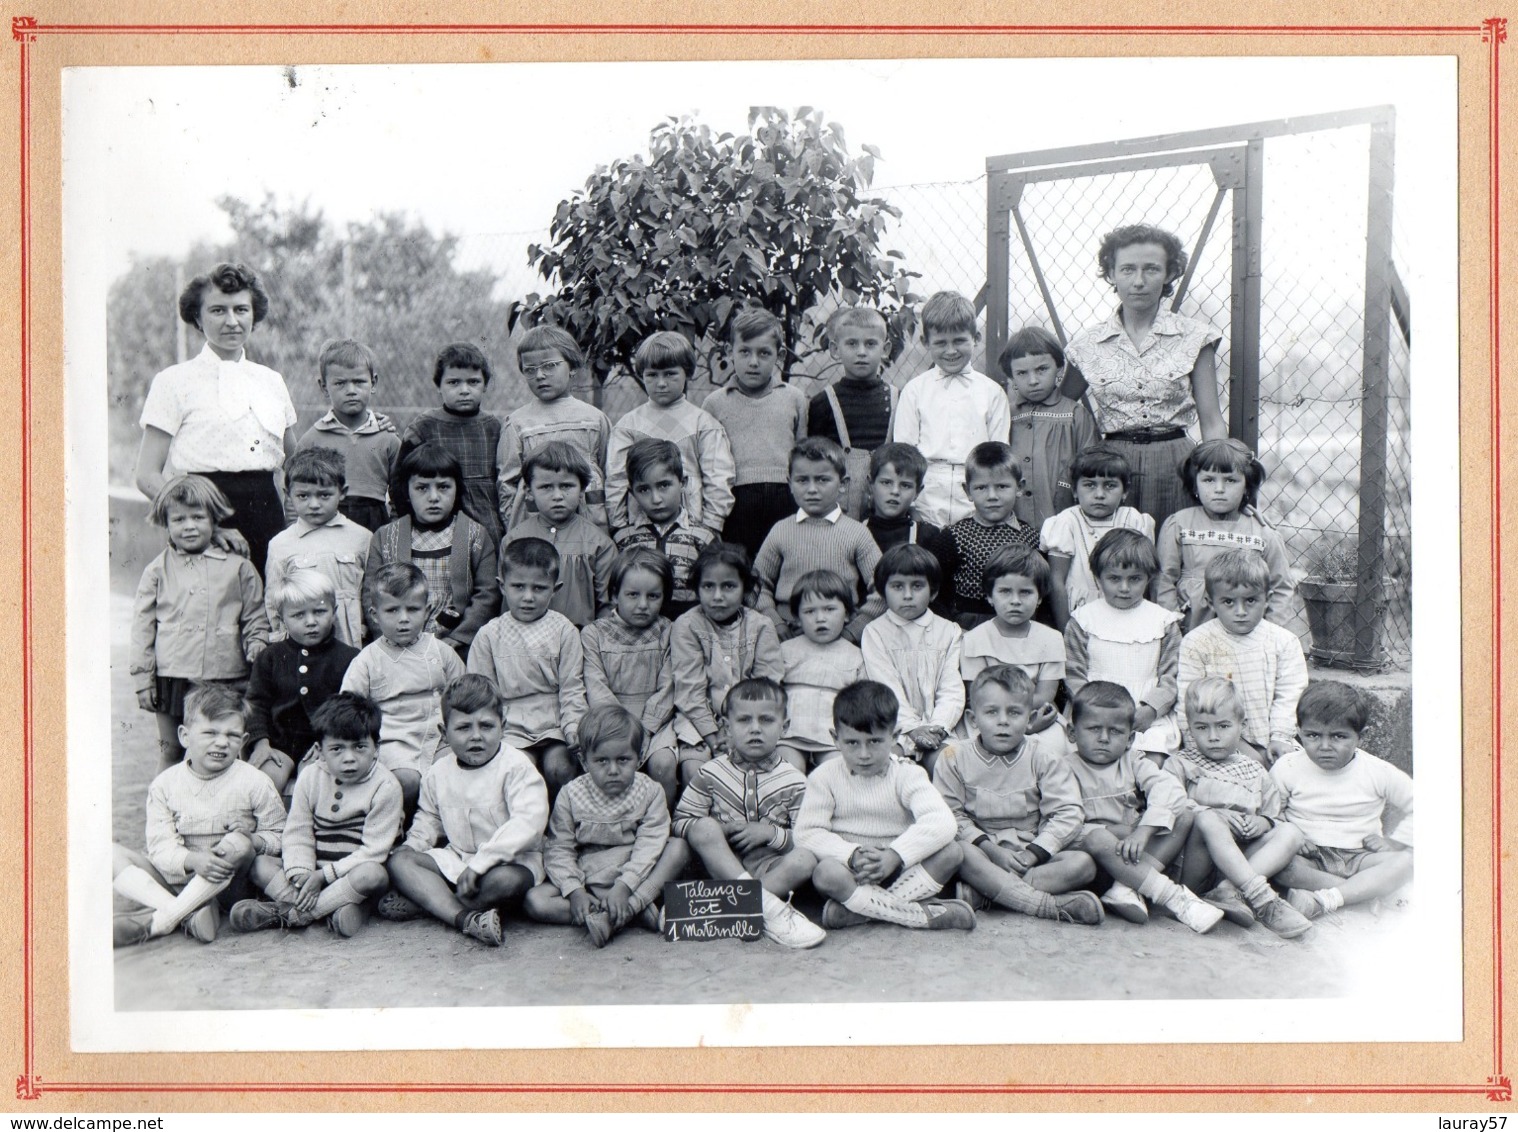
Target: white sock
{"points": [[198, 892], [878, 904], [915, 883], [1158, 889], [136, 884], [336, 895], [1331, 899]]}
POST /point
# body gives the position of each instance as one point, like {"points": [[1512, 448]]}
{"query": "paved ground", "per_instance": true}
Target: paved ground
{"points": [[1007, 957]]}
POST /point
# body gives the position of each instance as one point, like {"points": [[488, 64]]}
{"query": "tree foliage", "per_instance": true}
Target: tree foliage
{"points": [[389, 282], [707, 223]]}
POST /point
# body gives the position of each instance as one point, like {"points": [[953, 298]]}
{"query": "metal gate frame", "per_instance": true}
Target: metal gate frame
{"points": [[1236, 155]]}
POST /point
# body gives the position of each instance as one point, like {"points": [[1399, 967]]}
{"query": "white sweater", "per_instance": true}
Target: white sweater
{"points": [[1341, 808]]}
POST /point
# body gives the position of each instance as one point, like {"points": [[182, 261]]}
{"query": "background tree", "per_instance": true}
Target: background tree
{"points": [[706, 223], [390, 282]]}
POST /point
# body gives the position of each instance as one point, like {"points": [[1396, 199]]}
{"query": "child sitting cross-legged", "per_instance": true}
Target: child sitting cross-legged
{"points": [[1136, 816], [1338, 796], [1237, 828], [532, 654], [609, 853], [738, 811], [883, 837], [344, 817], [405, 672], [1018, 807], [476, 843], [208, 818]]}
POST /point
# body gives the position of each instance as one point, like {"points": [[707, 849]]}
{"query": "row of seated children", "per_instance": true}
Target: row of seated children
{"points": [[1021, 826]]}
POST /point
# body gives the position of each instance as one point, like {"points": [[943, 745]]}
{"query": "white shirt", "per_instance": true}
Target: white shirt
{"points": [[946, 415], [223, 416]]}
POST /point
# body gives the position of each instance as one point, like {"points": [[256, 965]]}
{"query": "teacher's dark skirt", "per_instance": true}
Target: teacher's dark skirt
{"points": [[1156, 489], [257, 512]]}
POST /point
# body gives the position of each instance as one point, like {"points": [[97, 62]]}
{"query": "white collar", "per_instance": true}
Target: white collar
{"points": [[212, 357], [920, 623], [831, 517]]}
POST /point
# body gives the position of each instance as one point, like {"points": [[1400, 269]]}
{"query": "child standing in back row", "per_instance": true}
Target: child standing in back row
{"points": [[858, 410], [549, 359], [462, 375], [950, 409], [1048, 428], [368, 441], [663, 366], [1224, 477], [764, 418], [199, 611]]}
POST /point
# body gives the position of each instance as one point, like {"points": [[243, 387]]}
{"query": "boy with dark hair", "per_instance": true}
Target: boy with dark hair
{"points": [[556, 476], [739, 809], [883, 837], [1338, 796], [345, 815], [462, 375], [656, 476], [817, 537], [896, 475], [368, 441]]}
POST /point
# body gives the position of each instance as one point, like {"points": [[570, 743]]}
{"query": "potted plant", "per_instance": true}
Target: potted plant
{"points": [[1329, 591]]}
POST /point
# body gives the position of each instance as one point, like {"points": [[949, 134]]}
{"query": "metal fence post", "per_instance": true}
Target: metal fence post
{"points": [[1376, 363], [998, 270], [1244, 339], [181, 347]]}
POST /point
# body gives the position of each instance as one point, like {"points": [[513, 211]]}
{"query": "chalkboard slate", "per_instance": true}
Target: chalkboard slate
{"points": [[713, 909]]}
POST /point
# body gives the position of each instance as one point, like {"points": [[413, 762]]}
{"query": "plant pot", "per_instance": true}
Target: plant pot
{"points": [[1331, 619]]}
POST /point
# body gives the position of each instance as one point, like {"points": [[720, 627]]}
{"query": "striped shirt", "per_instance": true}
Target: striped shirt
{"points": [[343, 825], [1267, 669], [743, 792]]}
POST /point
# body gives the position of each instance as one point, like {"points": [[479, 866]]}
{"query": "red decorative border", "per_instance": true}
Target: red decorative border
{"points": [[29, 1084]]}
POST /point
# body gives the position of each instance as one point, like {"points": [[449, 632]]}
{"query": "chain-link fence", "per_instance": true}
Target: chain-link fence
{"points": [[1292, 260]]}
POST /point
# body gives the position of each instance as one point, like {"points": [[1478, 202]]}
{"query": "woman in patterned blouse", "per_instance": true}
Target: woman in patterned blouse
{"points": [[1151, 374]]}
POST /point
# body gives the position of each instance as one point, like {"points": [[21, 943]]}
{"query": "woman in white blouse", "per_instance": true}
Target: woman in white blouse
{"points": [[1151, 374], [221, 416]]}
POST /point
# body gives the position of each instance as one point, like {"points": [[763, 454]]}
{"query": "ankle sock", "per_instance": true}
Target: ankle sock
{"points": [[914, 884], [878, 904], [1020, 896], [1258, 892], [1331, 899], [1158, 889], [338, 894]]}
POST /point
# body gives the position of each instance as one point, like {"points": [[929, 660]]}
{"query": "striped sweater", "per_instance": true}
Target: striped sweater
{"points": [[734, 792], [338, 826]]}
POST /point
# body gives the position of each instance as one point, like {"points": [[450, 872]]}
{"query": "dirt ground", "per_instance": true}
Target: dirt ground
{"points": [[425, 964]]}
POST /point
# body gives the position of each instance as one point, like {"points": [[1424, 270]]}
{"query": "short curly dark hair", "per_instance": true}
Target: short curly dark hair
{"points": [[228, 278], [1130, 234]]}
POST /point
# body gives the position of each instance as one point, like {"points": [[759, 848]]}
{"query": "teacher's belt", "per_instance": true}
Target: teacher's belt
{"points": [[1146, 435]]}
